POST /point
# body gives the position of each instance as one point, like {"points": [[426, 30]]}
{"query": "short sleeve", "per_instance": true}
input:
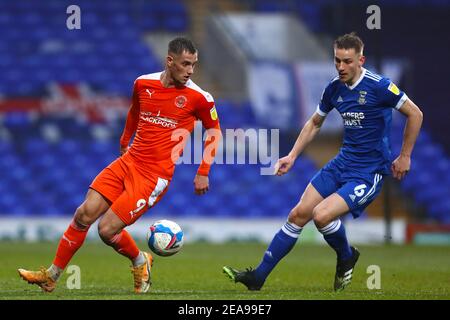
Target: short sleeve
{"points": [[135, 96], [390, 95], [206, 112], [325, 106]]}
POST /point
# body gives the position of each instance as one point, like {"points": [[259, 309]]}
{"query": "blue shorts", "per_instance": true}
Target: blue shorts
{"points": [[356, 188]]}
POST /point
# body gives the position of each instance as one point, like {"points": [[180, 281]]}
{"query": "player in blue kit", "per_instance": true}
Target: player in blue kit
{"points": [[353, 179]]}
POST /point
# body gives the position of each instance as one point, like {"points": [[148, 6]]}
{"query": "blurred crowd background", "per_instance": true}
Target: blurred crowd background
{"points": [[64, 95]]}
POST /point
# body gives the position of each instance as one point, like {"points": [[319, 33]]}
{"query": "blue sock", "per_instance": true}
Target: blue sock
{"points": [[334, 235], [280, 246]]}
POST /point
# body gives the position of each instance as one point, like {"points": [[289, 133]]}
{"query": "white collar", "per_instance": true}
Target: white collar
{"points": [[353, 86]]}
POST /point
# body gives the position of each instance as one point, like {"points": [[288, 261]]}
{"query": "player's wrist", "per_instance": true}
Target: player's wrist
{"points": [[202, 174], [292, 155], [405, 155], [203, 171]]}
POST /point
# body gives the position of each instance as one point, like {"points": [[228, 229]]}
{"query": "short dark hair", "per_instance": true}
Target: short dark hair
{"points": [[181, 44], [350, 41]]}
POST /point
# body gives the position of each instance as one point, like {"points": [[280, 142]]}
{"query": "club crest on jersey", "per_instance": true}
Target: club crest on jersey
{"points": [[394, 89], [362, 97], [213, 113], [180, 101]]}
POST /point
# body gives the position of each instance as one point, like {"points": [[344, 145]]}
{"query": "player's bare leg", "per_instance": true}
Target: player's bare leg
{"points": [[302, 213], [112, 232], [328, 210], [88, 212], [326, 217]]}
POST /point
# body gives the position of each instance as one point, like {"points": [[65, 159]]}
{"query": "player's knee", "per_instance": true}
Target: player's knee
{"points": [[107, 232], [299, 216], [83, 217], [320, 216]]}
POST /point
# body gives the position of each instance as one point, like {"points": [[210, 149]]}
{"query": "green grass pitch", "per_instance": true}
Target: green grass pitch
{"points": [[195, 273]]}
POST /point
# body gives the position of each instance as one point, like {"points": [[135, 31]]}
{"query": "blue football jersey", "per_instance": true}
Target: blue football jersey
{"points": [[366, 110]]}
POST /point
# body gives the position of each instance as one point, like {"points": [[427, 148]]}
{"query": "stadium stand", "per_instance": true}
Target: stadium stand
{"points": [[54, 174], [48, 162]]}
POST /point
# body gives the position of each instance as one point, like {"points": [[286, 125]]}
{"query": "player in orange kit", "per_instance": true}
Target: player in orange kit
{"points": [[164, 104]]}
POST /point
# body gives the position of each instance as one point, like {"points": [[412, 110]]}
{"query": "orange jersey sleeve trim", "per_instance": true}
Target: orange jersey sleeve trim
{"points": [[210, 148], [130, 125], [132, 118]]}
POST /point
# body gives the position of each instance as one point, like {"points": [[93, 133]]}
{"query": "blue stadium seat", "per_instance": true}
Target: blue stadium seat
{"points": [[431, 194], [150, 22], [6, 148], [311, 15], [441, 210], [175, 23], [5, 18], [6, 60], [429, 151], [36, 145], [16, 119]]}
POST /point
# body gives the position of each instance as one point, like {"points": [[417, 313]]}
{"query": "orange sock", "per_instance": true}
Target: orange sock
{"points": [[124, 244], [70, 242]]}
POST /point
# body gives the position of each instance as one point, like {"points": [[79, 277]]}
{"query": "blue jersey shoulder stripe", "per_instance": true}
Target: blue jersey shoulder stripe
{"points": [[373, 74], [374, 79]]}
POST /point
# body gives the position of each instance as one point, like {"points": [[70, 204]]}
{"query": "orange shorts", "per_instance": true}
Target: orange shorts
{"points": [[130, 193]]}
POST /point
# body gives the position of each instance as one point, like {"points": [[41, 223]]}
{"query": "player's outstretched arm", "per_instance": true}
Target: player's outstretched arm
{"points": [[401, 165], [309, 131], [201, 180], [130, 128]]}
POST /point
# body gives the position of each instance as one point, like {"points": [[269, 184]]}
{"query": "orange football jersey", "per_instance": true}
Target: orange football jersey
{"points": [[156, 113]]}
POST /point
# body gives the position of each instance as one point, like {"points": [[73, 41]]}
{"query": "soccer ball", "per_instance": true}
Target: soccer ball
{"points": [[165, 238]]}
